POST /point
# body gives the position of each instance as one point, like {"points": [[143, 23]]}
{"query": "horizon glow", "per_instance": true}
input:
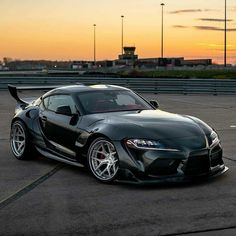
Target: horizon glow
{"points": [[63, 29]]}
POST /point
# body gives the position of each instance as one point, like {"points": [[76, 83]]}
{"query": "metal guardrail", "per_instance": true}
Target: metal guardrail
{"points": [[142, 85]]}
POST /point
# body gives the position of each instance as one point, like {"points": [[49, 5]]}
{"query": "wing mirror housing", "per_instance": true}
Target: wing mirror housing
{"points": [[155, 104], [64, 110]]}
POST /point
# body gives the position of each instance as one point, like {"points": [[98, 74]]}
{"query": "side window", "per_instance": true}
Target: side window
{"points": [[53, 102], [125, 100]]}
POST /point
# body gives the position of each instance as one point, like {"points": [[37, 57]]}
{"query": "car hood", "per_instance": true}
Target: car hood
{"points": [[155, 124], [171, 125]]}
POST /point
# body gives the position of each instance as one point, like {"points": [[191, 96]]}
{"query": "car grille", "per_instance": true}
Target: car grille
{"points": [[197, 165], [163, 167]]}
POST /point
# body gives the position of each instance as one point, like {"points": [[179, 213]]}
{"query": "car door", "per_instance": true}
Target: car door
{"points": [[59, 125]]}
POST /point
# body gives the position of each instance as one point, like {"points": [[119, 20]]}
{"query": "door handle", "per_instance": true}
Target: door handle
{"points": [[44, 118]]}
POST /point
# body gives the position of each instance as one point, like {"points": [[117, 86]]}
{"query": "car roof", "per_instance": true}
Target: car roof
{"points": [[83, 88]]}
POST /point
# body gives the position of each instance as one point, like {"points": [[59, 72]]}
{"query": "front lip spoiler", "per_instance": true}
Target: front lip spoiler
{"points": [[175, 179]]}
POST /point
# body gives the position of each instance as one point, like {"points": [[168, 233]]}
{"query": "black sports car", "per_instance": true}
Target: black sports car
{"points": [[116, 133]]}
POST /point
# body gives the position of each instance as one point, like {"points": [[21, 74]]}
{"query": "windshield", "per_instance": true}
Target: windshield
{"points": [[111, 101]]}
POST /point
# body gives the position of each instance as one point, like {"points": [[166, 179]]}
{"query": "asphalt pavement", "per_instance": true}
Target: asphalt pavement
{"points": [[45, 197]]}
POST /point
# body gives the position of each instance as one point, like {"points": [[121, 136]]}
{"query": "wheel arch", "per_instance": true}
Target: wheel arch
{"points": [[18, 119], [91, 138], [29, 150]]}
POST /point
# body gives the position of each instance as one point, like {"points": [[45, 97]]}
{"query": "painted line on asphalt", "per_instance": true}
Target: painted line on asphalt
{"points": [[225, 129], [199, 231], [29, 187], [228, 158]]}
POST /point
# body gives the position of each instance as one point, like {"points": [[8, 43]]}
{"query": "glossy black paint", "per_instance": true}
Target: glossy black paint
{"points": [[68, 136]]}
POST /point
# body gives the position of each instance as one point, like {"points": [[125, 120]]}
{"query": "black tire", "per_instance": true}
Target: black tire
{"points": [[20, 144], [103, 160]]}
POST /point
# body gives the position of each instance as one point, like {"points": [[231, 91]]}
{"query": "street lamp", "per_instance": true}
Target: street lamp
{"points": [[162, 30], [122, 34], [225, 34], [94, 43]]}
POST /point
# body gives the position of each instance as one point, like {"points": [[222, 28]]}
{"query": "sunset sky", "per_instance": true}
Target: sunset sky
{"points": [[63, 29]]}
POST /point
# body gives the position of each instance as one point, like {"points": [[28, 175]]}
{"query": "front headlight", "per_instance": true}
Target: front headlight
{"points": [[147, 145], [214, 138]]}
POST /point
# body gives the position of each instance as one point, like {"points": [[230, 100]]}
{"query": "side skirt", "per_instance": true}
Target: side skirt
{"points": [[54, 157]]}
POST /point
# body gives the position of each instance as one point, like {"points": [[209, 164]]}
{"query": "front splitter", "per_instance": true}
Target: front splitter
{"points": [[173, 179]]}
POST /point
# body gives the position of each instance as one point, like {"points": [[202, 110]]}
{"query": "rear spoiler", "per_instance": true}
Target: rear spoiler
{"points": [[14, 91]]}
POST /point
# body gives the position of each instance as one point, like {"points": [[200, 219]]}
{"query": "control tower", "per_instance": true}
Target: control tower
{"points": [[129, 54]]}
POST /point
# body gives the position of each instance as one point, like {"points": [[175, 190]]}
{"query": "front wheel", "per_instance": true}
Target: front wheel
{"points": [[103, 160], [19, 141]]}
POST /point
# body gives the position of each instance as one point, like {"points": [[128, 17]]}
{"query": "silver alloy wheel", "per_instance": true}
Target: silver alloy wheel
{"points": [[103, 160], [18, 139]]}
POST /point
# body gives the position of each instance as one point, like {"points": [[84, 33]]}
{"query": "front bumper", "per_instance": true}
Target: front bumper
{"points": [[170, 167]]}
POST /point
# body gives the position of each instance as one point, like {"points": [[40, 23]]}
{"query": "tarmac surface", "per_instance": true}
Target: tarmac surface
{"points": [[45, 197]]}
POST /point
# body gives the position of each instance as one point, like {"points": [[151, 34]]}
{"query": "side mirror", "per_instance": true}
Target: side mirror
{"points": [[64, 110], [155, 104]]}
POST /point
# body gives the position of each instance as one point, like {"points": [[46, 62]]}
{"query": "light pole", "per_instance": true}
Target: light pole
{"points": [[225, 34], [94, 43], [122, 34], [162, 29]]}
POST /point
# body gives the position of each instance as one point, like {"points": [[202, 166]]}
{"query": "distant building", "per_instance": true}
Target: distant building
{"points": [[172, 62], [157, 62], [197, 62], [38, 65], [129, 54], [128, 58], [105, 63], [77, 65]]}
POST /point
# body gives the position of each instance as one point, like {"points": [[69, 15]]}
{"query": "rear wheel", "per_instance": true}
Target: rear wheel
{"points": [[103, 160], [19, 141]]}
